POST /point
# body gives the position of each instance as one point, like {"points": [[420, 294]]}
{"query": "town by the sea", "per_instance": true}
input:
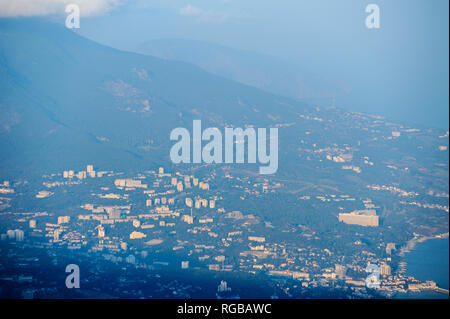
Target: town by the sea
{"points": [[429, 260]]}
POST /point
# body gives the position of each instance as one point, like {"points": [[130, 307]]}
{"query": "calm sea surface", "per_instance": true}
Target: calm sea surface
{"points": [[429, 261]]}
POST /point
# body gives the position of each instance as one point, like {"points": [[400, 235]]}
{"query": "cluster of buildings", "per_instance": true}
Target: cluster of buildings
{"points": [[125, 218], [82, 174], [16, 234]]}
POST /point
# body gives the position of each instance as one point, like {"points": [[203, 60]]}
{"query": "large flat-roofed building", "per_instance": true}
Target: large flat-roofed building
{"points": [[365, 217]]}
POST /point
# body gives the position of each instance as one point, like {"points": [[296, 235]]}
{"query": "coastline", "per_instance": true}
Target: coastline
{"points": [[426, 293], [411, 244]]}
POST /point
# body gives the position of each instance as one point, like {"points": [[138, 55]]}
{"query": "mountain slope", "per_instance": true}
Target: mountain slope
{"points": [[106, 98], [261, 71], [66, 100]]}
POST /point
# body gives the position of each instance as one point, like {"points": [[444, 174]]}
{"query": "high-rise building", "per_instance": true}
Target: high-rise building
{"points": [[32, 223], [63, 219], [180, 186], [389, 248], [340, 271], [90, 168], [131, 259], [56, 235], [114, 213], [204, 186], [161, 171], [81, 175], [136, 223], [365, 217], [19, 234], [101, 231], [11, 234], [184, 264], [188, 219], [385, 270], [223, 287]]}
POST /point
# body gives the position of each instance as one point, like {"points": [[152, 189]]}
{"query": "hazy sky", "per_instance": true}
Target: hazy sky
{"points": [[399, 70]]}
